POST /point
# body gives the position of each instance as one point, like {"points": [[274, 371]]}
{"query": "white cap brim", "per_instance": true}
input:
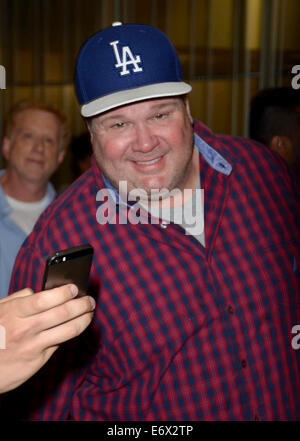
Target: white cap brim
{"points": [[123, 97]]}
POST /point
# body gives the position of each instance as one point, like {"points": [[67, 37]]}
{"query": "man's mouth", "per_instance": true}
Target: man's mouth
{"points": [[152, 161], [36, 161]]}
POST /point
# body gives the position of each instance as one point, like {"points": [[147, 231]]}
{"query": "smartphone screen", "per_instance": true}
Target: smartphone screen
{"points": [[69, 266]]}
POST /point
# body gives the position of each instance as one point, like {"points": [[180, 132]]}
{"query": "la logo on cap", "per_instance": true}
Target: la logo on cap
{"points": [[127, 56], [127, 59]]}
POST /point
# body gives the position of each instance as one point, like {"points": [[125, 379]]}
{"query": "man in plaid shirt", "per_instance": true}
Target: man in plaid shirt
{"points": [[189, 324]]}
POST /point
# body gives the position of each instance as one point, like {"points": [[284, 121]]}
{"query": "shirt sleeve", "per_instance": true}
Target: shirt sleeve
{"points": [[28, 270]]}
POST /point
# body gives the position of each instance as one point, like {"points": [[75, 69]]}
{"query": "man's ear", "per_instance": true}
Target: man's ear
{"points": [[282, 145], [89, 127], [61, 156], [6, 144], [188, 109]]}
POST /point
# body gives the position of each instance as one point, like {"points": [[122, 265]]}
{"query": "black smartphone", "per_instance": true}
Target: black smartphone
{"points": [[69, 266]]}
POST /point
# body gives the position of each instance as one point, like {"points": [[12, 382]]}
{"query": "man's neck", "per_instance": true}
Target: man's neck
{"points": [[190, 184], [21, 189]]}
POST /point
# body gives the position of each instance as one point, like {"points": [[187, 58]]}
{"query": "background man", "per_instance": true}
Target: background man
{"points": [[187, 327], [275, 122], [35, 137]]}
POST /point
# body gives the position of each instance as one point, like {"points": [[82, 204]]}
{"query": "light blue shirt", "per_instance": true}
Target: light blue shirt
{"points": [[11, 239]]}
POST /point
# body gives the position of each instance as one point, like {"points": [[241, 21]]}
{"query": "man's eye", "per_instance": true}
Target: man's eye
{"points": [[160, 116], [49, 140], [118, 125], [28, 135]]}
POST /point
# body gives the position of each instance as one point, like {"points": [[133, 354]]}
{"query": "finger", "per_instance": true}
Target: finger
{"points": [[61, 314], [23, 293], [64, 332], [46, 300]]}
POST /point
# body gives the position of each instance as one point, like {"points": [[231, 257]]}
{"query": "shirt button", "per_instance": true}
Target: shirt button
{"points": [[163, 225], [230, 309], [244, 363]]}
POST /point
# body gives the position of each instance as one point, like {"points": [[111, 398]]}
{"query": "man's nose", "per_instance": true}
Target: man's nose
{"points": [[145, 139], [39, 144]]}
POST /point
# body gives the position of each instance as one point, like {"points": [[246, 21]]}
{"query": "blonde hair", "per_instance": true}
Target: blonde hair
{"points": [[19, 107]]}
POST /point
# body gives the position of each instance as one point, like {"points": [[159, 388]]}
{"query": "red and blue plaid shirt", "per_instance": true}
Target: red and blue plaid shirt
{"points": [[180, 332]]}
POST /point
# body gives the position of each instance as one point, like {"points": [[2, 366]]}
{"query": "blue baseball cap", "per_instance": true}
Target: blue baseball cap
{"points": [[125, 63]]}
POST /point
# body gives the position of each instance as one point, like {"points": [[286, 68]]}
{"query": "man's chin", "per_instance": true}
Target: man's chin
{"points": [[152, 189], [36, 178]]}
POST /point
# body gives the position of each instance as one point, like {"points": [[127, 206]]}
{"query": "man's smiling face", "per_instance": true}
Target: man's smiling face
{"points": [[148, 144], [33, 150]]}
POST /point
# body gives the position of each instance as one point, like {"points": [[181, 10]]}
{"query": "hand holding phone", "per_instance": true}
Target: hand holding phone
{"points": [[69, 266]]}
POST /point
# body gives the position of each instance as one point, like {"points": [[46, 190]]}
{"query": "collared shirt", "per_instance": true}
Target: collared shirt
{"points": [[193, 206], [11, 238], [180, 332]]}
